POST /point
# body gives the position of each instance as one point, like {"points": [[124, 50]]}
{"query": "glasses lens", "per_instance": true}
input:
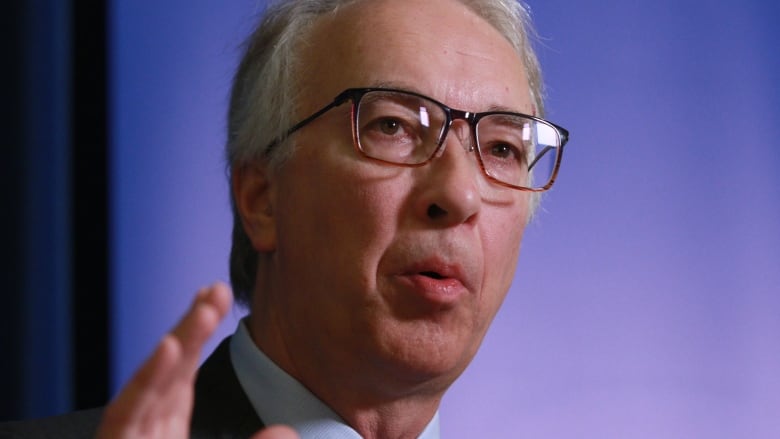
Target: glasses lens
{"points": [[518, 150], [398, 127]]}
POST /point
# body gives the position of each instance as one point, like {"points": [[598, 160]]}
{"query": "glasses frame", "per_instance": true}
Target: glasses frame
{"points": [[354, 95]]}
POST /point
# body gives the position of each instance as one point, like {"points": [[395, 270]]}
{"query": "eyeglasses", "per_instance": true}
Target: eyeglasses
{"points": [[403, 128]]}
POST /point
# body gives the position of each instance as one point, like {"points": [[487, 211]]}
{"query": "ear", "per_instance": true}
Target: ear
{"points": [[252, 193]]}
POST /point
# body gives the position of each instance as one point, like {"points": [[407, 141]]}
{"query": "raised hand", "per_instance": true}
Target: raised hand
{"points": [[157, 402], [277, 432]]}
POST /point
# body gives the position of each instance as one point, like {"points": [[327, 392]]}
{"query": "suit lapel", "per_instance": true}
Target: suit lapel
{"points": [[222, 409]]}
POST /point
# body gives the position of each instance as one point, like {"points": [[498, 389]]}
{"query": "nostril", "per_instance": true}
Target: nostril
{"points": [[434, 211]]}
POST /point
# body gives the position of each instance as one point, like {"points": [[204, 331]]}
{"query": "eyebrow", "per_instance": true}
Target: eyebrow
{"points": [[409, 87], [397, 85], [503, 109]]}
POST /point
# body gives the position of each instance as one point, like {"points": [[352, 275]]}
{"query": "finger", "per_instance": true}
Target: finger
{"points": [[276, 432], [161, 390], [221, 298], [202, 319], [174, 395], [140, 395], [168, 398]]}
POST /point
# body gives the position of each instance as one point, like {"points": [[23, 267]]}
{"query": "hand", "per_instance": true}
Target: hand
{"points": [[157, 401], [276, 432]]}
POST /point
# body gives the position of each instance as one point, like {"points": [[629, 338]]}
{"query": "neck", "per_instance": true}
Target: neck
{"points": [[368, 400], [400, 419]]}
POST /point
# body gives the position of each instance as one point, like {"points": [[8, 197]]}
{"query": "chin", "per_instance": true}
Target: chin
{"points": [[429, 353]]}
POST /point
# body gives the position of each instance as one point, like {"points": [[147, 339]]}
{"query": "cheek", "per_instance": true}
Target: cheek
{"points": [[344, 214], [502, 248]]}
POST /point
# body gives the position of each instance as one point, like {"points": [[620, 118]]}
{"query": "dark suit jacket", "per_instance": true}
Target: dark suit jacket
{"points": [[222, 409]]}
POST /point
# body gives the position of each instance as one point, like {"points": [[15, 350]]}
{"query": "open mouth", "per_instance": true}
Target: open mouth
{"points": [[432, 274]]}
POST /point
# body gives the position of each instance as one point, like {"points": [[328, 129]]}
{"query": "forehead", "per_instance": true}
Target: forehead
{"points": [[437, 47]]}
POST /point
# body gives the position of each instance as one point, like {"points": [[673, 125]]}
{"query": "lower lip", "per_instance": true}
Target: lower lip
{"points": [[439, 291]]}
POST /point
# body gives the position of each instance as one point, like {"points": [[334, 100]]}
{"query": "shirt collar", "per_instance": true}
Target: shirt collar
{"points": [[279, 398]]}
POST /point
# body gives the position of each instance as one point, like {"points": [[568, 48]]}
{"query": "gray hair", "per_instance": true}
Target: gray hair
{"points": [[263, 98]]}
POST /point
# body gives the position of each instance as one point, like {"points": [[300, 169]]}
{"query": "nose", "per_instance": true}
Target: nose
{"points": [[449, 188]]}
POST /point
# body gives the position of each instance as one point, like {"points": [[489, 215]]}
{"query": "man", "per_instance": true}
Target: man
{"points": [[376, 234]]}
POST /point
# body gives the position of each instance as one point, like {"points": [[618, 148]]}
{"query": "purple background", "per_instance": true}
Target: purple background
{"points": [[647, 299]]}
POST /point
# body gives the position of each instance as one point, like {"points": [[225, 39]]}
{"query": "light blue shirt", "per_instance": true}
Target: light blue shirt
{"points": [[279, 398]]}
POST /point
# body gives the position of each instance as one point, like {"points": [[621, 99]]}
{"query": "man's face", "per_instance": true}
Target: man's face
{"points": [[390, 270]]}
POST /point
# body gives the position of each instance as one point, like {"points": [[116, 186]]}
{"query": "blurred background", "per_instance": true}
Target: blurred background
{"points": [[647, 298]]}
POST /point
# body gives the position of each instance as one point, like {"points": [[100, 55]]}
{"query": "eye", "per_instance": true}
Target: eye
{"points": [[389, 126], [502, 150]]}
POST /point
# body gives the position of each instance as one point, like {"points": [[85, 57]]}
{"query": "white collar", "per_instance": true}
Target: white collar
{"points": [[279, 398]]}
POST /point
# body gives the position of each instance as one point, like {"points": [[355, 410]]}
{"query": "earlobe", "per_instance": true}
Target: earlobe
{"points": [[252, 192]]}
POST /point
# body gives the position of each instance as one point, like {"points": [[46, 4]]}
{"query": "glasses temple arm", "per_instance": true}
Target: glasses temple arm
{"points": [[336, 102], [539, 156]]}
